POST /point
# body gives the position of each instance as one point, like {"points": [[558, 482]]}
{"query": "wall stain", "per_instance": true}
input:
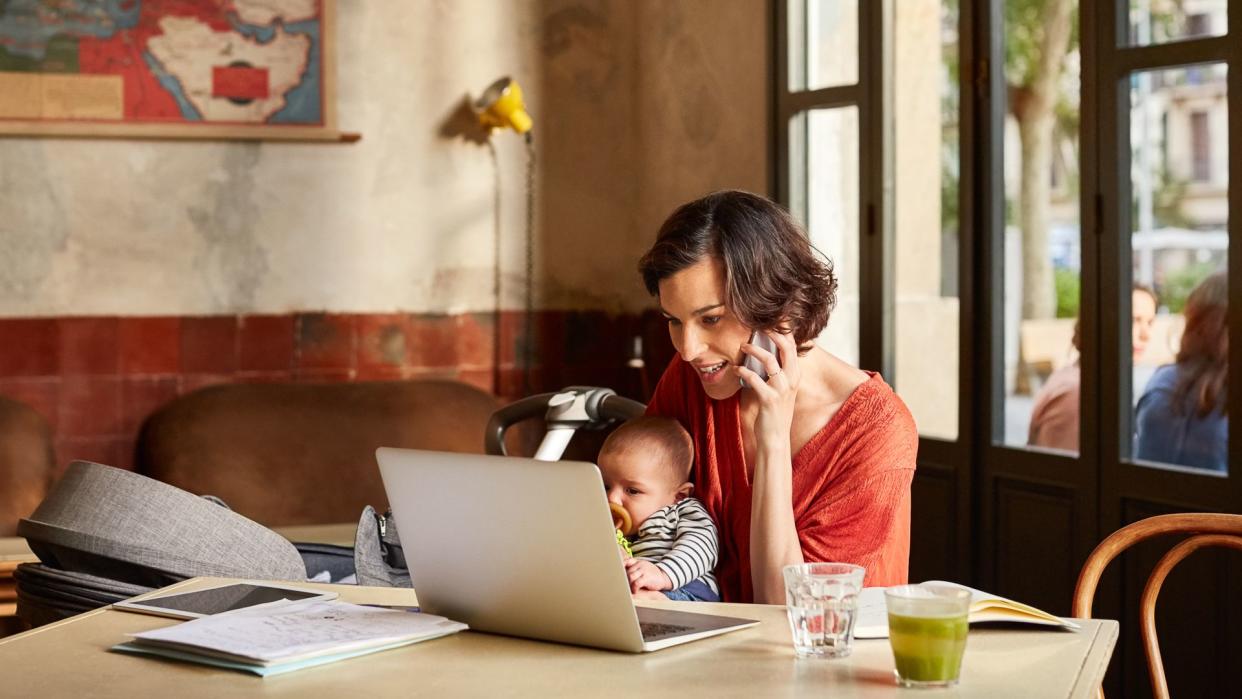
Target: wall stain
{"points": [[234, 263], [700, 107], [33, 223], [579, 46]]}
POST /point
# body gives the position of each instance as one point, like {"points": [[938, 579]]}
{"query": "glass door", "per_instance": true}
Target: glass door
{"points": [[1037, 487], [1169, 159], [1033, 199]]}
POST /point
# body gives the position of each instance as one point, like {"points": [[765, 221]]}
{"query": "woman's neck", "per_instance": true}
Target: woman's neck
{"points": [[825, 380]]}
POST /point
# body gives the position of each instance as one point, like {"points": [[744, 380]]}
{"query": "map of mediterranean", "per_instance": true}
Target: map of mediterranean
{"points": [[246, 62]]}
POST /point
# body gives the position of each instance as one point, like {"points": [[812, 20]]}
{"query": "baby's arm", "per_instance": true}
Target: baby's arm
{"points": [[694, 551]]}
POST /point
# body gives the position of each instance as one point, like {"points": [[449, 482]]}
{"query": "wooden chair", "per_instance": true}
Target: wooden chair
{"points": [[1206, 530]]}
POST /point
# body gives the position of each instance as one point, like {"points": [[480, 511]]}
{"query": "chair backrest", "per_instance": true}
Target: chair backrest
{"points": [[286, 454], [1206, 529], [26, 462]]}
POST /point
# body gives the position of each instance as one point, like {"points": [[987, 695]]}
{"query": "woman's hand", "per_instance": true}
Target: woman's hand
{"points": [[775, 396], [773, 533]]}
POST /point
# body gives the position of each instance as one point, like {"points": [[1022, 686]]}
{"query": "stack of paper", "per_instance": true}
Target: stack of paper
{"points": [[283, 636]]}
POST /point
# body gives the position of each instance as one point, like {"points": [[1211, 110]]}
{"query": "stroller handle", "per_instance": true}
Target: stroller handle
{"points": [[599, 407]]}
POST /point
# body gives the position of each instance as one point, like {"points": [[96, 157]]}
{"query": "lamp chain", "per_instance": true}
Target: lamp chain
{"points": [[529, 344]]}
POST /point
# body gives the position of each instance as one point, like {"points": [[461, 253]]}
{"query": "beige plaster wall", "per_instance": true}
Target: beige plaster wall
{"points": [[926, 323], [637, 106]]}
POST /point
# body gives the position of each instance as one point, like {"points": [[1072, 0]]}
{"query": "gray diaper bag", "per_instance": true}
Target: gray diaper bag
{"points": [[104, 534]]}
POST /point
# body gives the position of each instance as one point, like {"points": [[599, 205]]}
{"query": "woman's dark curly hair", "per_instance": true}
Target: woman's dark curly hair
{"points": [[773, 276]]}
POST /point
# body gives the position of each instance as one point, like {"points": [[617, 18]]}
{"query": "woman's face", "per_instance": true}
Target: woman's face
{"points": [[704, 332], [1143, 309]]}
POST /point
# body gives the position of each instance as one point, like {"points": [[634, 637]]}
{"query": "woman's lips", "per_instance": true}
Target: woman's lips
{"points": [[712, 373]]}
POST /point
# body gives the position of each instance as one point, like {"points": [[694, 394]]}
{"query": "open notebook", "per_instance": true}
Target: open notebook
{"points": [[984, 607]]}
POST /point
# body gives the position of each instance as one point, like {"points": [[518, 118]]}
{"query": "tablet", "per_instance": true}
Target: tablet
{"points": [[200, 603]]}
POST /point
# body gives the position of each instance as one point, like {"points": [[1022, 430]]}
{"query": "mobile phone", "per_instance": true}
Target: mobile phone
{"points": [[759, 339]]}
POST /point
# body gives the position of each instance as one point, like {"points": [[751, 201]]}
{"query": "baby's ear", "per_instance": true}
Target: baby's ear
{"points": [[684, 490]]}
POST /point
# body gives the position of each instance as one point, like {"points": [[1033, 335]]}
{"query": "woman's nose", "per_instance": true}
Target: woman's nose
{"points": [[690, 346]]}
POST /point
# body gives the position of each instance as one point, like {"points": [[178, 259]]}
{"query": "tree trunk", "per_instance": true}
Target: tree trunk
{"points": [[1038, 290], [1034, 107]]}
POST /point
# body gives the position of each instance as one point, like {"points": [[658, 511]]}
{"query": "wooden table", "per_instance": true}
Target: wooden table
{"points": [[70, 658], [13, 552]]}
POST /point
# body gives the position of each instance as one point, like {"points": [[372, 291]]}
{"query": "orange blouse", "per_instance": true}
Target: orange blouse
{"points": [[851, 481]]}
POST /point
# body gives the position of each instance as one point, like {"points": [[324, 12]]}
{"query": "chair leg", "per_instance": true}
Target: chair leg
{"points": [[1147, 605]]}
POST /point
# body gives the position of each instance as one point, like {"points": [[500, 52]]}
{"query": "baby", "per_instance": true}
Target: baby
{"points": [[645, 464]]}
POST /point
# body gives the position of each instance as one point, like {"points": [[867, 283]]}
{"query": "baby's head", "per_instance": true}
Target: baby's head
{"points": [[645, 463]]}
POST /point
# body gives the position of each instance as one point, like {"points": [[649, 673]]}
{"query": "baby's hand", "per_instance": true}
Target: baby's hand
{"points": [[645, 575]]}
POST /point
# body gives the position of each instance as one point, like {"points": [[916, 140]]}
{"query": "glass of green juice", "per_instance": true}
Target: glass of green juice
{"points": [[927, 627]]}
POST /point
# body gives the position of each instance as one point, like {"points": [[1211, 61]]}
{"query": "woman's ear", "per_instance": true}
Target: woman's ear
{"points": [[684, 491]]}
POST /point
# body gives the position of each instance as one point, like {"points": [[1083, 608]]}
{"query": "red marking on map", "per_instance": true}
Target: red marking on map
{"points": [[122, 54], [239, 82]]}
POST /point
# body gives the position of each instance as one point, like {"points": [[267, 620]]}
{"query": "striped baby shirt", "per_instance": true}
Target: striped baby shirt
{"points": [[681, 540]]}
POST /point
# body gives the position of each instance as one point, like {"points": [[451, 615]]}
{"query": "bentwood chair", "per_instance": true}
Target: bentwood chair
{"points": [[1205, 530]]}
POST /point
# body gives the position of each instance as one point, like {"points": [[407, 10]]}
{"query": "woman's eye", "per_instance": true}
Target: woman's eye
{"points": [[673, 321], [711, 320]]}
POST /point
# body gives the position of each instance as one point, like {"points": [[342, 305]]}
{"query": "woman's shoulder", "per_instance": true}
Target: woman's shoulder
{"points": [[1164, 375], [1063, 382], [1162, 382], [873, 425], [879, 410]]}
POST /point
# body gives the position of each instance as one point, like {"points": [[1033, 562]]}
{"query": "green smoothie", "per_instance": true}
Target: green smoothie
{"points": [[928, 648]]}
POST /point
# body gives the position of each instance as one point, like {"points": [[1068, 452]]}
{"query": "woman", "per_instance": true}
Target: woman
{"points": [[815, 462], [1054, 418], [1182, 416]]}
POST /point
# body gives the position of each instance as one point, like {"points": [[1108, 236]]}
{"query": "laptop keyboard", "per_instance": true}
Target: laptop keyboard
{"points": [[652, 630]]}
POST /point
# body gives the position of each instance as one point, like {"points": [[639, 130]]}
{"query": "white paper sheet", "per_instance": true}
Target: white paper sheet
{"points": [[285, 630]]}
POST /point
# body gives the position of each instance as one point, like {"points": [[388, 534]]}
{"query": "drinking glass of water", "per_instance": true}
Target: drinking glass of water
{"points": [[822, 601]]}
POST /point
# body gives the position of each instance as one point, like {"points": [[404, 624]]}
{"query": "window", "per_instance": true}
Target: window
{"points": [[831, 215], [1199, 25], [1042, 235], [1179, 247], [1162, 21], [1200, 147], [821, 115]]}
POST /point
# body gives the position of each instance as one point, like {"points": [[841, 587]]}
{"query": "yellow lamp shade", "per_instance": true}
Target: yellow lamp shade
{"points": [[501, 107]]}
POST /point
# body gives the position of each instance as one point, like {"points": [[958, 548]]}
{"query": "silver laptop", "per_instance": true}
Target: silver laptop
{"points": [[524, 548]]}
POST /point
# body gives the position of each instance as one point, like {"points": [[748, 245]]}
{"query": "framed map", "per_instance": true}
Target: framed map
{"points": [[253, 69]]}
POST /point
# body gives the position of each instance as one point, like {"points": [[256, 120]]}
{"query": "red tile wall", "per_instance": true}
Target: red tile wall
{"points": [[97, 379]]}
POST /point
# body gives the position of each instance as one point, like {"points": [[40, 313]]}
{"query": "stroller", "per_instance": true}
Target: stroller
{"points": [[103, 534]]}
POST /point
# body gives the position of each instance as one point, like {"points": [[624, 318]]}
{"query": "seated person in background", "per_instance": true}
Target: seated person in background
{"points": [[646, 466], [1181, 417], [1054, 418]]}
